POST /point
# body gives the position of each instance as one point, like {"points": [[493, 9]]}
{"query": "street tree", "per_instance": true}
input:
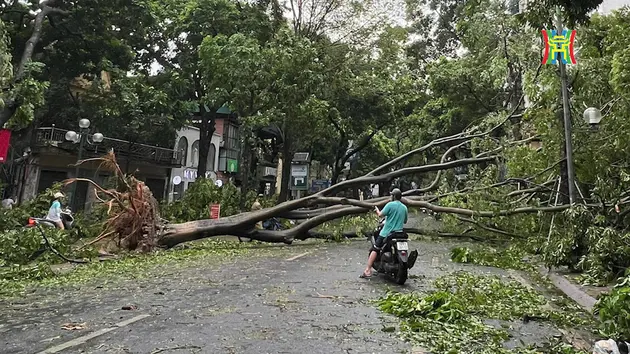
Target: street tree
{"points": [[54, 41], [179, 33]]}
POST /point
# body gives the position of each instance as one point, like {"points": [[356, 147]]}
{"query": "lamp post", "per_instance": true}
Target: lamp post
{"points": [[567, 117], [81, 138], [592, 116]]}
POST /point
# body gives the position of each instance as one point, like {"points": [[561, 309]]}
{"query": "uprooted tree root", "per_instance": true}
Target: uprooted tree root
{"points": [[133, 216]]}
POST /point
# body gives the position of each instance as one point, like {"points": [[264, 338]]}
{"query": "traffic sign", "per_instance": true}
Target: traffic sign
{"points": [[299, 177]]}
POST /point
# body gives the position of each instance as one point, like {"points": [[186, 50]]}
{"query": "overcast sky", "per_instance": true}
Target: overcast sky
{"points": [[609, 5]]}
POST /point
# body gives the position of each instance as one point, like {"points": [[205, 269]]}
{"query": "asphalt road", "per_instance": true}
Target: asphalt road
{"points": [[292, 299]]}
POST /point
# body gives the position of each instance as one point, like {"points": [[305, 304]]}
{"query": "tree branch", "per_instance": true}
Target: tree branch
{"points": [[367, 179], [488, 228], [29, 48], [449, 139]]}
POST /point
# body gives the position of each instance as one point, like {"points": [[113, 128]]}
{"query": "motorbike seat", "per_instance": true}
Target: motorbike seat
{"points": [[398, 235]]}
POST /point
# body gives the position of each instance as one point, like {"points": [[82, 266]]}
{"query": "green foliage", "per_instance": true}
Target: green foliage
{"points": [[17, 246], [14, 280], [581, 239], [606, 257], [453, 316], [508, 258], [28, 89], [195, 205], [363, 225], [614, 310], [11, 219]]}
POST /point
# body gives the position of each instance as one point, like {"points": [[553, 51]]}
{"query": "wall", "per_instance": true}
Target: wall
{"points": [[61, 163]]}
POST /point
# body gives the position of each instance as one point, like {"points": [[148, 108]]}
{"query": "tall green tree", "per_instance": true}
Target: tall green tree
{"points": [[178, 35], [55, 41]]}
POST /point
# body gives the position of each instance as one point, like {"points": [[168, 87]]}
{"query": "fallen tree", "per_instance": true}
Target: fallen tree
{"points": [[135, 223]]}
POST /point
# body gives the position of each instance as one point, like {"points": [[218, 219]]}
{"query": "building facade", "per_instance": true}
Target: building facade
{"points": [[187, 146], [52, 159], [223, 157]]}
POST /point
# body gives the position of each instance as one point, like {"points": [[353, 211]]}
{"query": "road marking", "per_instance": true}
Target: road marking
{"points": [[298, 256], [85, 338]]}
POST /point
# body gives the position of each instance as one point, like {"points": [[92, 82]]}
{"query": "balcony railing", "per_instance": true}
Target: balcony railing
{"points": [[57, 137]]}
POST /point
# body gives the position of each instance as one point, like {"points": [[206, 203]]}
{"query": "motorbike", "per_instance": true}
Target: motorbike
{"points": [[66, 218], [272, 224], [394, 258], [40, 223]]}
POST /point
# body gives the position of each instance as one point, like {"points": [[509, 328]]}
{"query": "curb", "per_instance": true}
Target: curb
{"points": [[569, 289]]}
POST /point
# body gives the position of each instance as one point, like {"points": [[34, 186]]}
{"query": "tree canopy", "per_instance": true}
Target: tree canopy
{"points": [[356, 86]]}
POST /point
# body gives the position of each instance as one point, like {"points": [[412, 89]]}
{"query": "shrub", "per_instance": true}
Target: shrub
{"points": [[38, 207], [201, 194], [614, 310], [18, 243], [17, 246]]}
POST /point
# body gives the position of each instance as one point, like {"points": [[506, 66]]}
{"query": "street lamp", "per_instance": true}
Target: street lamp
{"points": [[593, 116], [81, 138]]}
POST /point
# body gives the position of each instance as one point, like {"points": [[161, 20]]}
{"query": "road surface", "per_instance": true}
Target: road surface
{"points": [[288, 299]]}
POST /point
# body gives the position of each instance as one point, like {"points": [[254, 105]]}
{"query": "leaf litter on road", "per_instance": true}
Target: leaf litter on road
{"points": [[469, 313]]}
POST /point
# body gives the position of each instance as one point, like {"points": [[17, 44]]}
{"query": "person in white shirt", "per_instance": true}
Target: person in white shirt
{"points": [[54, 213], [8, 203], [375, 191]]}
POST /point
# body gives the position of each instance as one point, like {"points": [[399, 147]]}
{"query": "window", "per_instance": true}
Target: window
{"points": [[182, 149], [48, 178], [231, 137], [194, 153], [211, 157], [156, 185], [222, 160], [230, 151]]}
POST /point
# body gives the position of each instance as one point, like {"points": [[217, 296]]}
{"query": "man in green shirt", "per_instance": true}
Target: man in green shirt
{"points": [[395, 213]]}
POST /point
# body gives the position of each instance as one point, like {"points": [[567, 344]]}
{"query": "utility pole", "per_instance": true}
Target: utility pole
{"points": [[567, 116]]}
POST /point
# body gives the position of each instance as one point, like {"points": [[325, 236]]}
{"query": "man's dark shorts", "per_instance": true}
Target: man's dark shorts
{"points": [[379, 242]]}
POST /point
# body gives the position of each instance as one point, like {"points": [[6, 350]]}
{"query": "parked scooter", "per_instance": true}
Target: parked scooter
{"points": [[394, 258], [66, 218], [272, 224], [41, 223]]}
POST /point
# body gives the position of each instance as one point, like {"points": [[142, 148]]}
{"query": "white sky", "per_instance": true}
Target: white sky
{"points": [[397, 16], [608, 5]]}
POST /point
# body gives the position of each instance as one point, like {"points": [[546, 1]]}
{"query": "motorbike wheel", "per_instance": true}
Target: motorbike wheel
{"points": [[401, 274]]}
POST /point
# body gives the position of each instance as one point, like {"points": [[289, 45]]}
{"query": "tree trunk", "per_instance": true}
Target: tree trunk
{"points": [[11, 105], [248, 166], [206, 130], [287, 157], [335, 175], [327, 205]]}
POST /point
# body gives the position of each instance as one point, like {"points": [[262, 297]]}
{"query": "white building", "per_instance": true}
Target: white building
{"points": [[188, 145]]}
